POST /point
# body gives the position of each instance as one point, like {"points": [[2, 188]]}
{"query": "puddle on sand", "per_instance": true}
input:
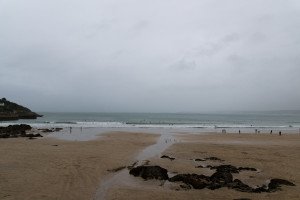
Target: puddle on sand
{"points": [[123, 178]]}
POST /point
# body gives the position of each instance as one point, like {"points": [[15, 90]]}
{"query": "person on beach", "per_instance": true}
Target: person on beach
{"points": [[239, 131], [271, 132], [279, 132]]}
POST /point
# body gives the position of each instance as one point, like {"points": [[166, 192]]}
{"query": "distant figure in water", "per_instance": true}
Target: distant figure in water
{"points": [[271, 132], [279, 132], [239, 131], [70, 129], [255, 131]]}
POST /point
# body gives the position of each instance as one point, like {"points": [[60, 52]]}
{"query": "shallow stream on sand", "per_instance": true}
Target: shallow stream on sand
{"points": [[124, 179]]}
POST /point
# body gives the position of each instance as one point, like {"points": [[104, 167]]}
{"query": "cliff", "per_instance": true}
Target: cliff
{"points": [[12, 111]]}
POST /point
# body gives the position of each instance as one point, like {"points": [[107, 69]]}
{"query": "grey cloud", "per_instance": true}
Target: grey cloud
{"points": [[184, 65], [162, 56]]}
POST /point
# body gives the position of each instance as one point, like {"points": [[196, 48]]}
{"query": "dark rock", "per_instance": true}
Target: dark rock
{"points": [[150, 172], [274, 184], [33, 135], [47, 130], [209, 158], [186, 186], [202, 166], [13, 131], [247, 168], [200, 159], [260, 189], [213, 158], [240, 186], [226, 168], [222, 178], [195, 180], [164, 156], [216, 181]]}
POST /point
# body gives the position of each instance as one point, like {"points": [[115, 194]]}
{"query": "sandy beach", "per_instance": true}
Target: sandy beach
{"points": [[57, 169]]}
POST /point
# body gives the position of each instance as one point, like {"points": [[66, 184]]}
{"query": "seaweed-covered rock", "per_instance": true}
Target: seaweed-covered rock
{"points": [[164, 156], [200, 159], [220, 179], [209, 158], [150, 172], [203, 166], [213, 158], [274, 184], [12, 131], [226, 168], [195, 180], [246, 169], [225, 179], [31, 135], [240, 186], [47, 130]]}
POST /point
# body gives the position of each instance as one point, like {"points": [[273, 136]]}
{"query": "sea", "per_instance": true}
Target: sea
{"points": [[246, 122]]}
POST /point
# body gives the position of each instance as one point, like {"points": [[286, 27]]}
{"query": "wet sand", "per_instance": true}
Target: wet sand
{"points": [[58, 169]]}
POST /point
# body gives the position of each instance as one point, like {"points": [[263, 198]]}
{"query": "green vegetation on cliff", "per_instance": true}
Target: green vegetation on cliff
{"points": [[12, 111]]}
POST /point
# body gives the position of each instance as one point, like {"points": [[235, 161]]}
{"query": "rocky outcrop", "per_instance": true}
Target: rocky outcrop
{"points": [[150, 172], [221, 178], [228, 168], [209, 158], [13, 111], [51, 130], [224, 179], [274, 184], [168, 157], [13, 131]]}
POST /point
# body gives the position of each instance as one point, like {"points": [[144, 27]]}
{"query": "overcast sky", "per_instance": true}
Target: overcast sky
{"points": [[150, 56]]}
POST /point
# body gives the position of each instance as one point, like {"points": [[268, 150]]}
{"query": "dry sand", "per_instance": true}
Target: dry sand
{"points": [[56, 169], [38, 169]]}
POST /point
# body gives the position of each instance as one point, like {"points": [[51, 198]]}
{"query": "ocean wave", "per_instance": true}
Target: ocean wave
{"points": [[65, 122], [95, 124]]}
